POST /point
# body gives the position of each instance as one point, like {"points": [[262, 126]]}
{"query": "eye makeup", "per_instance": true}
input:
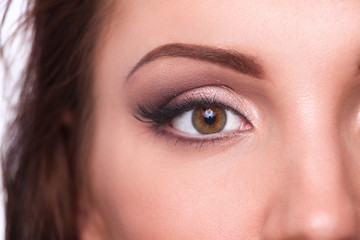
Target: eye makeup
{"points": [[161, 91], [165, 79], [160, 118]]}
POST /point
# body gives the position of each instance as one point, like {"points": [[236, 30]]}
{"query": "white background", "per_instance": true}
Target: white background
{"points": [[15, 55]]}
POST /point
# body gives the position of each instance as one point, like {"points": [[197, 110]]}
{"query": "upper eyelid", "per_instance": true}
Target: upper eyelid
{"points": [[213, 101], [176, 109]]}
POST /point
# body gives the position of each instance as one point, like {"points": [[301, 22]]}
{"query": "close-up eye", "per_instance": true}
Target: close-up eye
{"points": [[209, 121], [206, 113]]}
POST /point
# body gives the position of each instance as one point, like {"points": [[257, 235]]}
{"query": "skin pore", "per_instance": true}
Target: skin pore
{"points": [[290, 168]]}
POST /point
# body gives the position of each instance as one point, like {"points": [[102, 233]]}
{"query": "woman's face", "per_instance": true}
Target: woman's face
{"points": [[243, 123]]}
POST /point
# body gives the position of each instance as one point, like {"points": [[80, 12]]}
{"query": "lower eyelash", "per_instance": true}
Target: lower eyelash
{"points": [[198, 142]]}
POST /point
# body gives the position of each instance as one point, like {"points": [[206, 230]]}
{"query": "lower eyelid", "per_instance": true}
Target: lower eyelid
{"points": [[200, 141]]}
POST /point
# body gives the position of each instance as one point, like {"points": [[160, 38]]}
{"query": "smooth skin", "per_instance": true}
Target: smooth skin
{"points": [[295, 175]]}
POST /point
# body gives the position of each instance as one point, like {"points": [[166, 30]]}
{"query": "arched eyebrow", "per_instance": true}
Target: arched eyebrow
{"points": [[228, 58]]}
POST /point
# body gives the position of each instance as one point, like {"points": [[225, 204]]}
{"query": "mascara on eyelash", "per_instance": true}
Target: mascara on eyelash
{"points": [[161, 115]]}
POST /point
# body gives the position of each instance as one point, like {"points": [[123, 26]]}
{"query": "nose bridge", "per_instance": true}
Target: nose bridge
{"points": [[317, 200], [319, 195], [313, 143], [313, 149]]}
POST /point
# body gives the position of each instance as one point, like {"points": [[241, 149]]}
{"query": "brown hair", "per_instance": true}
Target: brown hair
{"points": [[42, 166]]}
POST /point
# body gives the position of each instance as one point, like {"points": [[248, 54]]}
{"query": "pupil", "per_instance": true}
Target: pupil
{"points": [[209, 117]]}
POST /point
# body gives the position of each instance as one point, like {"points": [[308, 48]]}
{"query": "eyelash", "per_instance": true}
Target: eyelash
{"points": [[158, 117]]}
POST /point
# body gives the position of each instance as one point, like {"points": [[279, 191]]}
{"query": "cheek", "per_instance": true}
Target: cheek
{"points": [[147, 189]]}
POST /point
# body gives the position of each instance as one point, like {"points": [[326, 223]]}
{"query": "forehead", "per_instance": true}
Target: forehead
{"points": [[282, 33], [240, 20]]}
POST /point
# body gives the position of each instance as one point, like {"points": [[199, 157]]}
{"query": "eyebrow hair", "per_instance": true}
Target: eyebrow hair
{"points": [[228, 58]]}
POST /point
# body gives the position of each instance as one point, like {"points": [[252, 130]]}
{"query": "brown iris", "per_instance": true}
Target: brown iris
{"points": [[209, 120]]}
